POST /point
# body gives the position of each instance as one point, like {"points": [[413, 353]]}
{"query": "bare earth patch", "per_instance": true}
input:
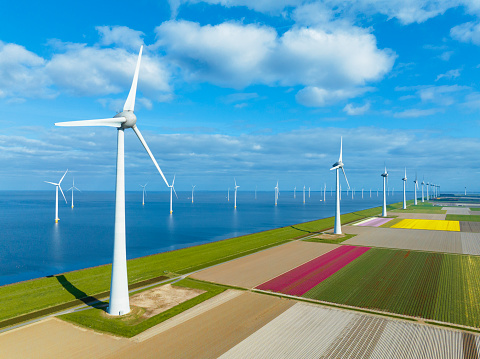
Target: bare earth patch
{"points": [[329, 236], [160, 299]]}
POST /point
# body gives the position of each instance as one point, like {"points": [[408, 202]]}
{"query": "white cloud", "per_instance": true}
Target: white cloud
{"points": [[413, 113], [442, 95], [452, 74], [445, 56], [467, 32], [236, 55], [22, 73], [351, 110], [312, 96], [121, 36]]}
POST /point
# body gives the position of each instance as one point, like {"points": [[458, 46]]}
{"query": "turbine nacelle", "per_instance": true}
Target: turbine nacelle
{"points": [[338, 164], [130, 118]]}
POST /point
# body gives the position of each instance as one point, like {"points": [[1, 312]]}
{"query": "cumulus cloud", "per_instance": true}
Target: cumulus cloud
{"points": [[440, 95], [452, 74], [331, 64], [351, 110], [467, 32], [312, 96], [121, 36]]}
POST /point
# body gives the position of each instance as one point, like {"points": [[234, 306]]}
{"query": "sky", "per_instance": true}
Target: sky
{"points": [[256, 90]]}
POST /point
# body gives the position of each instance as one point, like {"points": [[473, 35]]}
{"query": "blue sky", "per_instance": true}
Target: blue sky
{"points": [[259, 90]]}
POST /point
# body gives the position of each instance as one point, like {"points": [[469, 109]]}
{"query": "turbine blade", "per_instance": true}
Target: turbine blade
{"points": [[174, 191], [173, 182], [341, 147], [345, 177], [109, 122], [130, 103], [63, 177], [62, 193], [334, 168], [140, 137], [55, 184]]}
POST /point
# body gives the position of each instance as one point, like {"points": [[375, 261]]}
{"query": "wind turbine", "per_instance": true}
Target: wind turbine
{"points": [[428, 185], [308, 192], [73, 188], [362, 193], [57, 186], [336, 166], [295, 192], [385, 183], [193, 187], [465, 191], [404, 179], [119, 299], [415, 187], [303, 193], [235, 206], [423, 184], [228, 194], [172, 189], [144, 191], [276, 193], [324, 190]]}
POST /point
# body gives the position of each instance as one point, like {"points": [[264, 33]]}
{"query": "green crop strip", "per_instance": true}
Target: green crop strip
{"points": [[462, 217]]}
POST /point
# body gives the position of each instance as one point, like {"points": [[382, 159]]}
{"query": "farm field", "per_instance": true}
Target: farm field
{"points": [[309, 331], [472, 227], [463, 217], [299, 280], [374, 222], [443, 287], [457, 210], [414, 239], [428, 225], [438, 217], [257, 268]]}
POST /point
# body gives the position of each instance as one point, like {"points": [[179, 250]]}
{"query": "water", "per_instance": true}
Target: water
{"points": [[32, 245]]}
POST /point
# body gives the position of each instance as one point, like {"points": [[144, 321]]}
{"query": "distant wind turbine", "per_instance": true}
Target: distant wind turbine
{"points": [[423, 184], [308, 192], [119, 299], [276, 193], [193, 188], [57, 186], [303, 193], [144, 191], [235, 205], [72, 189], [404, 179], [415, 187], [337, 166], [172, 190], [295, 192], [324, 190], [228, 194], [428, 185], [385, 183]]}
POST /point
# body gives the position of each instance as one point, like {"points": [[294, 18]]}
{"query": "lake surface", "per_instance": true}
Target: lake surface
{"points": [[32, 245]]}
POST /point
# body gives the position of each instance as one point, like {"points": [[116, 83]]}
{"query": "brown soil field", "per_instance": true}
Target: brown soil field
{"points": [[212, 333], [160, 299], [54, 338], [252, 270], [329, 236], [439, 217]]}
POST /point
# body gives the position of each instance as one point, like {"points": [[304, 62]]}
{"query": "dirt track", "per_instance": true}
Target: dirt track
{"points": [[250, 271]]}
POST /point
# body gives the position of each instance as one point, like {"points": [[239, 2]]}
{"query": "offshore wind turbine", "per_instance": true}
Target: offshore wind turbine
{"points": [[362, 193], [385, 182], [428, 185], [303, 193], [193, 188], [57, 186], [337, 166], [228, 194], [423, 184], [295, 192], [72, 189], [415, 187], [308, 192], [324, 190], [404, 179], [119, 299], [276, 193], [172, 189], [144, 191], [235, 204]]}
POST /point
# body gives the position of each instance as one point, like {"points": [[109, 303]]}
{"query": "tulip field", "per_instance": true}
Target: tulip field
{"points": [[438, 286]]}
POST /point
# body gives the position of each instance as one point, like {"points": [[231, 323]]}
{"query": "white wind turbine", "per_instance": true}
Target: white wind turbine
{"points": [[235, 203], [428, 185], [276, 193], [324, 190], [228, 194], [193, 187], [385, 182], [303, 193], [423, 184], [415, 188], [404, 179], [144, 187], [337, 166], [119, 299], [57, 186], [172, 190], [308, 192], [295, 192], [72, 189]]}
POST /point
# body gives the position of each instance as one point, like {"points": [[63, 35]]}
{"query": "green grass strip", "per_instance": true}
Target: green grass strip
{"points": [[462, 217], [474, 209], [34, 295], [132, 324], [331, 241]]}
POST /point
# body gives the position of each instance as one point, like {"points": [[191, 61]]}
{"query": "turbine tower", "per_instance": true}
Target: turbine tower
{"points": [[324, 190], [404, 179], [303, 193], [228, 194], [119, 299], [172, 189], [428, 185], [415, 187], [385, 182], [144, 191], [308, 192], [423, 184], [57, 186], [276, 193], [235, 204], [295, 192], [193, 187], [72, 189], [337, 166]]}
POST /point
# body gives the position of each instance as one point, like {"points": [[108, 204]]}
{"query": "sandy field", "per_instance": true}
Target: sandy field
{"points": [[252, 270], [438, 217], [212, 333], [54, 338], [160, 299]]}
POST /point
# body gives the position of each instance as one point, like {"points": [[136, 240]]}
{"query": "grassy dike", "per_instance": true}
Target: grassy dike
{"points": [[37, 294]]}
